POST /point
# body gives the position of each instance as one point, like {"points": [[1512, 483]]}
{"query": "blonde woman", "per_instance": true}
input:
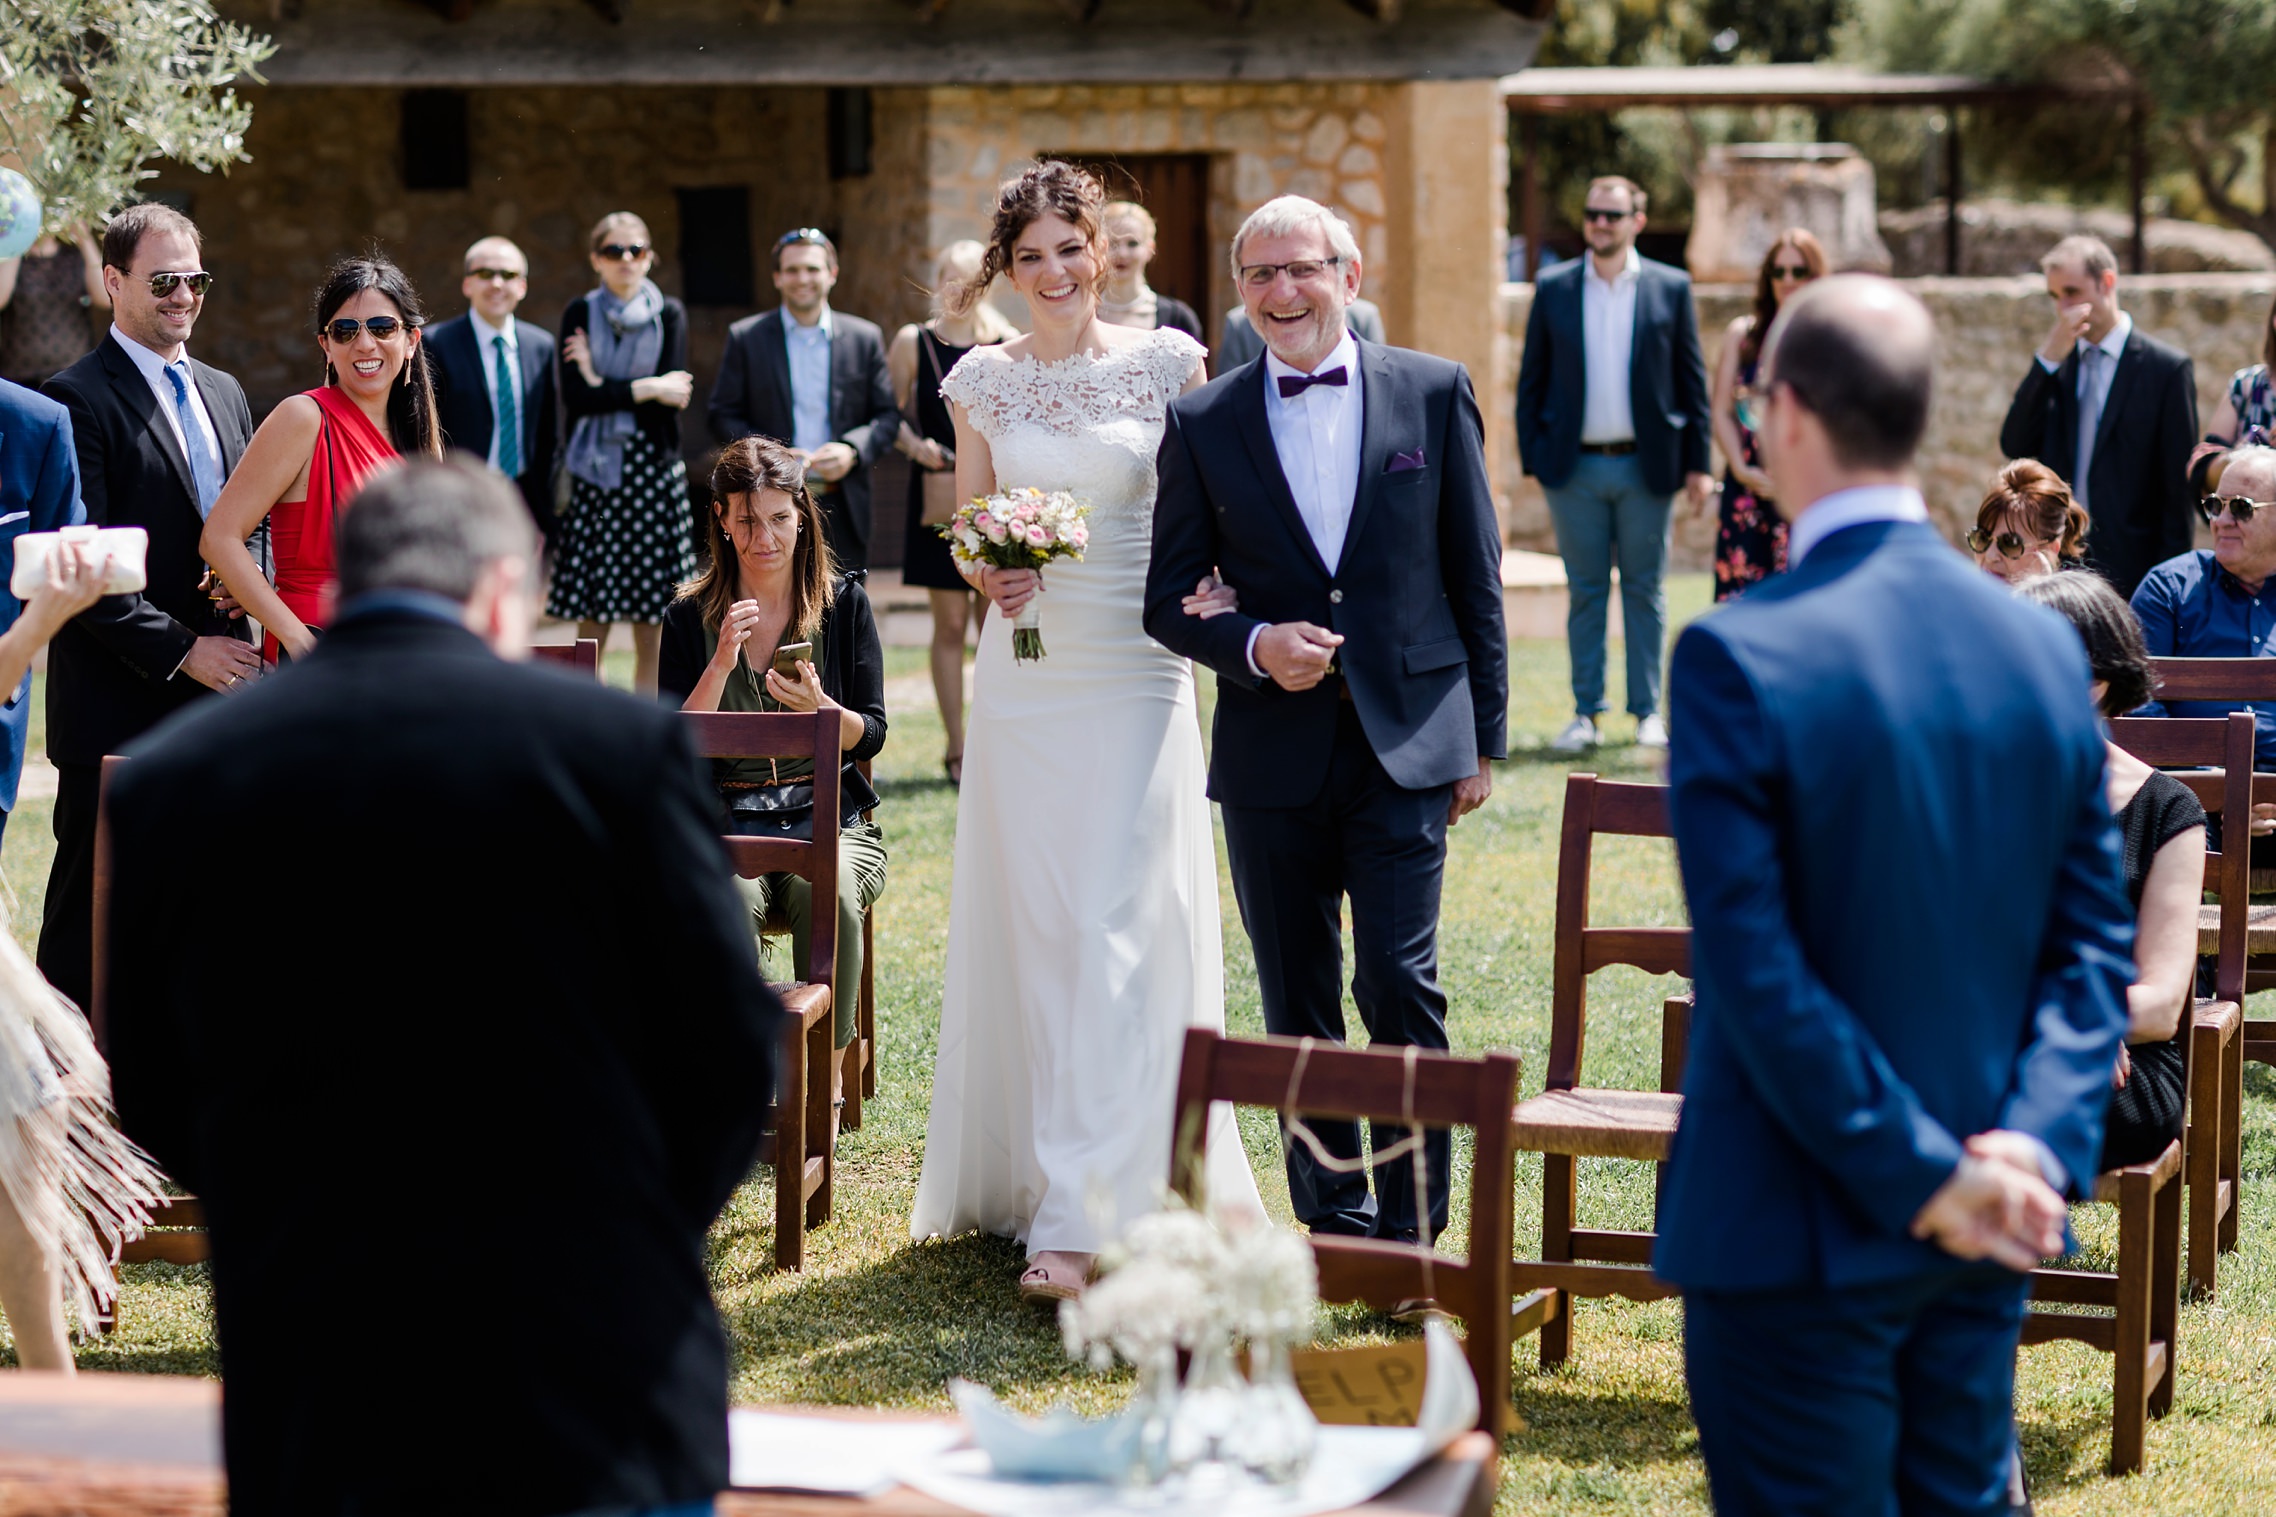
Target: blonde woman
{"points": [[1127, 300], [920, 358]]}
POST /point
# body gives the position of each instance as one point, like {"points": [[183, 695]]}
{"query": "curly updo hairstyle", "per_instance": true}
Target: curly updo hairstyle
{"points": [[2115, 648], [2029, 492], [1053, 187]]}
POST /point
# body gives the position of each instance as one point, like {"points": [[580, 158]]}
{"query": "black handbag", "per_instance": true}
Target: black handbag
{"points": [[787, 811]]}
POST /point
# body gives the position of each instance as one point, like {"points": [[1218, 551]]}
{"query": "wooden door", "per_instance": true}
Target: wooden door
{"points": [[1174, 188]]}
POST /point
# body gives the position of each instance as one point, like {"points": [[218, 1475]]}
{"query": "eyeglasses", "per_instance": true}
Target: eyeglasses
{"points": [[2239, 507], [1258, 276], [1780, 271], [163, 285], [2010, 544], [343, 331], [502, 276], [1606, 218], [623, 252]]}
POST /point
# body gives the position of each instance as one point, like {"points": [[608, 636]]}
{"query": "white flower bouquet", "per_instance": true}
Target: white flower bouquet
{"points": [[1020, 529]]}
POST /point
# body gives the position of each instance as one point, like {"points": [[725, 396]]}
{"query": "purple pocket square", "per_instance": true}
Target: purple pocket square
{"points": [[1402, 462]]}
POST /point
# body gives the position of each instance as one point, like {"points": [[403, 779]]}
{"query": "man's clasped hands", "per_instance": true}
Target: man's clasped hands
{"points": [[1996, 1205]]}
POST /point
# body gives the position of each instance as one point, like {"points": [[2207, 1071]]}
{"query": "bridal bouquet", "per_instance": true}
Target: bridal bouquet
{"points": [[1020, 529]]}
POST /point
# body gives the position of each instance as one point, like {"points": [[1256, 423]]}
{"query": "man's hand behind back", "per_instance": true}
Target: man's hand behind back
{"points": [[1991, 1208]]}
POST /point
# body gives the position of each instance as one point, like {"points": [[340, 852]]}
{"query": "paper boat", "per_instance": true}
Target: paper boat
{"points": [[1060, 1445]]}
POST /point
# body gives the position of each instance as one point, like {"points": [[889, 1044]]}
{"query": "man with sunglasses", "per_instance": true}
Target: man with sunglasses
{"points": [[494, 392], [2114, 412], [2221, 602], [815, 378], [1612, 418], [157, 434]]}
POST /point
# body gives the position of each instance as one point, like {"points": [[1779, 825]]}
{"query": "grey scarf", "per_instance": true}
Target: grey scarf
{"points": [[627, 341]]}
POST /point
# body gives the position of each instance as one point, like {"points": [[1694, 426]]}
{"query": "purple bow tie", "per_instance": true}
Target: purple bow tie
{"points": [[1293, 385]]}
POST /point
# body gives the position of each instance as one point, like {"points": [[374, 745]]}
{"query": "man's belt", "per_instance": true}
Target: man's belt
{"points": [[1610, 449]]}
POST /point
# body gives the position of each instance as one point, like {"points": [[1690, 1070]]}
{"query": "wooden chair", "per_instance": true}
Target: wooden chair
{"points": [[583, 656], [1386, 1085], [2144, 1292], [186, 1242], [1569, 1122], [801, 1149]]}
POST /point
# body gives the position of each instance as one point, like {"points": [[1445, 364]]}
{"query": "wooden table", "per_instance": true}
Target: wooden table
{"points": [[150, 1446]]}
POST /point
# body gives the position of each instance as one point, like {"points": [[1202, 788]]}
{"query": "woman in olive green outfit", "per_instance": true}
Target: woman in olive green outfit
{"points": [[770, 583]]}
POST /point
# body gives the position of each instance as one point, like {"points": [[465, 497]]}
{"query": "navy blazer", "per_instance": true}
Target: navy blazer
{"points": [[39, 492], [462, 401], [1417, 593], [2138, 490], [1908, 922], [1667, 379], [752, 394]]}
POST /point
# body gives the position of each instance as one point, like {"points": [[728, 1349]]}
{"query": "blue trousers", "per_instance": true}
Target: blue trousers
{"points": [[1879, 1401], [1384, 846], [1607, 518]]}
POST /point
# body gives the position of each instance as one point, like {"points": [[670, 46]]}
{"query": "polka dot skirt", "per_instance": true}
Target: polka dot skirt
{"points": [[622, 554]]}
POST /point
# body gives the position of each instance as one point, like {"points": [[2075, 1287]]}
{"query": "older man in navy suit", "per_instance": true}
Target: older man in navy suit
{"points": [[1612, 418], [39, 492], [1911, 969], [1339, 487]]}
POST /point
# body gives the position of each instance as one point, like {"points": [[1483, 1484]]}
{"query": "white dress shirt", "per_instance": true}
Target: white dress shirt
{"points": [[1608, 345], [486, 343], [2097, 366], [153, 369], [809, 380], [1829, 514], [1316, 434]]}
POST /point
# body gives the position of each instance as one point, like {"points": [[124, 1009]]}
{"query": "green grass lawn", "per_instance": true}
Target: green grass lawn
{"points": [[878, 1320]]}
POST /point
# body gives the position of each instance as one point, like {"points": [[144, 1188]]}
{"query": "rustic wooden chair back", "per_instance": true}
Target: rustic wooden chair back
{"points": [[1306, 1078], [802, 1152], [582, 656], [2143, 1294], [1568, 1121], [184, 1240]]}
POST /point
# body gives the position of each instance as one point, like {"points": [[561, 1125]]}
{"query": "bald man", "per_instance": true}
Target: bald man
{"points": [[494, 390], [1911, 950]]}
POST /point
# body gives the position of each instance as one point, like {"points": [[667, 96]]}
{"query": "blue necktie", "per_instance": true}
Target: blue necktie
{"points": [[205, 471], [509, 416], [1293, 385]]}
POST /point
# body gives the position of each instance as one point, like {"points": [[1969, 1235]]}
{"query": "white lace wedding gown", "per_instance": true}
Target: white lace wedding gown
{"points": [[1083, 935]]}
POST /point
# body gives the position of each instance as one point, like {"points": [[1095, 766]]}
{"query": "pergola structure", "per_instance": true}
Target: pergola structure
{"points": [[1577, 91]]}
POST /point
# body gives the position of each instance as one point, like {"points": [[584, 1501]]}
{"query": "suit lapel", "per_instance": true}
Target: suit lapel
{"points": [[135, 395], [1256, 431], [1376, 394], [774, 350], [2129, 362], [225, 433], [468, 339]]}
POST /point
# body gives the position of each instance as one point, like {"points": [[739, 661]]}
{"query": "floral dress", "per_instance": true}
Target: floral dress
{"points": [[1750, 535]]}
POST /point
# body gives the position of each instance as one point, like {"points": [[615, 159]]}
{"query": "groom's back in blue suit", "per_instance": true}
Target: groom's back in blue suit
{"points": [[1908, 929]]}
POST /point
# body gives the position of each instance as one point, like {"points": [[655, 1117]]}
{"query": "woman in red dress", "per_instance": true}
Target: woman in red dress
{"points": [[315, 450]]}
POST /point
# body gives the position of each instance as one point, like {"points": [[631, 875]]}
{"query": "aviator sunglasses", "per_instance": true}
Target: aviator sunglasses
{"points": [[163, 285], [344, 329], [622, 252], [2010, 544], [2239, 507]]}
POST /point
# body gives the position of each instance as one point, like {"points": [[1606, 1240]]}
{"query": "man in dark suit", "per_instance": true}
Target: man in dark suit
{"points": [[1362, 685], [814, 378], [1612, 419], [2114, 412], [494, 392], [530, 1011], [1911, 970], [157, 433], [39, 492]]}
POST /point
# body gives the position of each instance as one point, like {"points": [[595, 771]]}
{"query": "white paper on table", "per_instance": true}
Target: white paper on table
{"points": [[828, 1456], [1352, 1465]]}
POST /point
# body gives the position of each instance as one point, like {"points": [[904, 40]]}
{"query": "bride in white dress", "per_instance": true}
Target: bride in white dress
{"points": [[1083, 935]]}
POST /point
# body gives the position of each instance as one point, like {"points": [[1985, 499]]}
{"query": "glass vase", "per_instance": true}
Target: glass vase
{"points": [[1208, 1416], [1277, 1431], [1154, 1408]]}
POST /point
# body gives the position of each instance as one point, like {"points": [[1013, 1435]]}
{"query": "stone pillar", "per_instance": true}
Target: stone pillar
{"points": [[1448, 177], [1747, 194]]}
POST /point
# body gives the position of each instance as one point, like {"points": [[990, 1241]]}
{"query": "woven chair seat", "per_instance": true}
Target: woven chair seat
{"points": [[1598, 1124]]}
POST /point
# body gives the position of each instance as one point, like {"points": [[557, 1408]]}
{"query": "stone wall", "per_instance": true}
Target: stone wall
{"points": [[1987, 330]]}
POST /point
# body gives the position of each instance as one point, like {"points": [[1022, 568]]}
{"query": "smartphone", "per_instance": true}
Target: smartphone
{"points": [[789, 656]]}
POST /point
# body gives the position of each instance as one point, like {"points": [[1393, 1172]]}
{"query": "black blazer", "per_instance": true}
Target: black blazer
{"points": [[1417, 596], [2138, 491], [1667, 379], [461, 368], [491, 1063], [578, 399], [111, 670], [852, 664], [752, 394]]}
